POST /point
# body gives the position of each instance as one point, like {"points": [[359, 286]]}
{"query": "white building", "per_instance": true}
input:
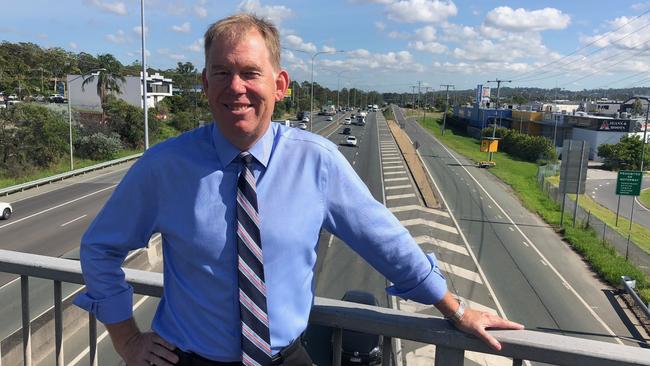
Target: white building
{"points": [[158, 87]]}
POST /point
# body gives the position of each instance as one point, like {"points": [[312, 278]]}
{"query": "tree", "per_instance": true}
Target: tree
{"points": [[625, 154], [108, 80], [127, 121], [637, 107]]}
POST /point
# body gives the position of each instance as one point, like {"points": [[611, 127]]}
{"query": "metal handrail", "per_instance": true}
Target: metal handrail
{"points": [[450, 343], [629, 284], [36, 183]]}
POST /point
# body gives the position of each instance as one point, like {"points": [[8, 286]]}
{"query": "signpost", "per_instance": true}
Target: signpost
{"points": [[628, 183], [573, 172]]}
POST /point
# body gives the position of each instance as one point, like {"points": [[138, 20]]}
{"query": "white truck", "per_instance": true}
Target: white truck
{"points": [[328, 110]]}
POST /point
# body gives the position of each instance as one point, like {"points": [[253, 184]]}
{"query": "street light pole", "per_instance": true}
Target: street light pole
{"points": [[93, 73], [311, 107], [144, 79]]}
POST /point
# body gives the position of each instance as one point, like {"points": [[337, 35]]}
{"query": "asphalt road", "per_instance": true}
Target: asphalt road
{"points": [[537, 279], [602, 188]]}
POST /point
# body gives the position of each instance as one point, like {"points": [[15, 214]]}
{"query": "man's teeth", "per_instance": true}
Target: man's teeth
{"points": [[238, 107]]}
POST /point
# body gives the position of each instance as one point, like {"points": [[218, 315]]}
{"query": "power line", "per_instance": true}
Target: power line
{"points": [[589, 44]]}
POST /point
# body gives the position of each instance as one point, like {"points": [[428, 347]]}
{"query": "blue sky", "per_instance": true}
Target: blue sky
{"points": [[389, 45]]}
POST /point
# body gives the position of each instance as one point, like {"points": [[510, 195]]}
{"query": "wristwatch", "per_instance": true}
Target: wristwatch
{"points": [[458, 314]]}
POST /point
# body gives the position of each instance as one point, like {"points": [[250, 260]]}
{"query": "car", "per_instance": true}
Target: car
{"points": [[302, 126], [347, 121], [351, 141], [305, 119], [5, 210], [346, 131], [361, 348], [329, 118], [56, 98]]}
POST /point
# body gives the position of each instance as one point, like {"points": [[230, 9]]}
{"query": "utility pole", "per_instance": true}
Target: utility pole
{"points": [[419, 94], [424, 107], [494, 130], [413, 94], [444, 116]]}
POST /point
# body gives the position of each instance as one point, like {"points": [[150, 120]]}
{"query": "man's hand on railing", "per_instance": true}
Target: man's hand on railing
{"points": [[476, 322], [140, 348]]}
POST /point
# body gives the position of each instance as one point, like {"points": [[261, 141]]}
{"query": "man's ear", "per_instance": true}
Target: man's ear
{"points": [[204, 79], [281, 85]]}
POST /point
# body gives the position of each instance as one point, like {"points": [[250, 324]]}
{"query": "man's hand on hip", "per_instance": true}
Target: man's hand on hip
{"points": [[140, 348]]}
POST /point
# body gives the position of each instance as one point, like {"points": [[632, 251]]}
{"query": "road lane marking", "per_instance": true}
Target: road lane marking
{"points": [[526, 243], [398, 196], [511, 228], [399, 187], [354, 162], [73, 220], [394, 179], [58, 206], [460, 272], [329, 243], [385, 173], [543, 262], [555, 271], [425, 239], [435, 225], [394, 167], [419, 208]]}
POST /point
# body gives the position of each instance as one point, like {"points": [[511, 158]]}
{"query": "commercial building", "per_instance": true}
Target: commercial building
{"points": [[158, 87]]}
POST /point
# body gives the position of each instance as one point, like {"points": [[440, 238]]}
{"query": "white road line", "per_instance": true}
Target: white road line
{"points": [[419, 208], [399, 196], [511, 228], [103, 335], [58, 206], [354, 162], [557, 273], [399, 187], [394, 167], [385, 173], [385, 163], [526, 243], [394, 179], [543, 262], [329, 243], [499, 216], [435, 225], [460, 272], [73, 220], [425, 239]]}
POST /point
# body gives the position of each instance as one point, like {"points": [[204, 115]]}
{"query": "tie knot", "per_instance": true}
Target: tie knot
{"points": [[246, 158]]}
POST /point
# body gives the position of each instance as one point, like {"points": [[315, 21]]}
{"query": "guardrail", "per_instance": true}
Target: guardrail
{"points": [[629, 284], [54, 178], [450, 343]]}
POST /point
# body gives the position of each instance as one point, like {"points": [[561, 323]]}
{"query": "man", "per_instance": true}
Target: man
{"points": [[240, 205]]}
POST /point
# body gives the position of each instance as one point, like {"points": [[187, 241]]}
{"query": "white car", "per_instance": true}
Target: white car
{"points": [[302, 126], [348, 121], [5, 210], [351, 141], [329, 118], [305, 119]]}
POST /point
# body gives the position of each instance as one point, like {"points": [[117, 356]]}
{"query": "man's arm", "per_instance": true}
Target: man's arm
{"points": [[140, 349], [475, 322]]}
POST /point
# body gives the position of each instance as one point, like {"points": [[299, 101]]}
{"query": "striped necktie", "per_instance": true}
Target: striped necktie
{"points": [[255, 336]]}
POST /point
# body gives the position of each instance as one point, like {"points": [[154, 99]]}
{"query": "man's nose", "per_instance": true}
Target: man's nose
{"points": [[237, 84]]}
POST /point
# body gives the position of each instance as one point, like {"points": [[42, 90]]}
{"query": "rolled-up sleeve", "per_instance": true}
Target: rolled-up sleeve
{"points": [[125, 223], [371, 230]]}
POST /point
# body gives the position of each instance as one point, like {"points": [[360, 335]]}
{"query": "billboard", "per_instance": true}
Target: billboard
{"points": [[482, 93]]}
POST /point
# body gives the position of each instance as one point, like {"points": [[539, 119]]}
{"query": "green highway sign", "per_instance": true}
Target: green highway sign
{"points": [[628, 183]]}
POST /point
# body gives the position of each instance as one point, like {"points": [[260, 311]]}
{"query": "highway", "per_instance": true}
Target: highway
{"points": [[537, 279], [503, 259]]}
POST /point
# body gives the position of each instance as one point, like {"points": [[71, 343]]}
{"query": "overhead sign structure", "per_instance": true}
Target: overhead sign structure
{"points": [[489, 145], [628, 183]]}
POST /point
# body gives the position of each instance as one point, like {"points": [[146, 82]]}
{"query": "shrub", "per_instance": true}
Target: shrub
{"points": [[98, 146]]}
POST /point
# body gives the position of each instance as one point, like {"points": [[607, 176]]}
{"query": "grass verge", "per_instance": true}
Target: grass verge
{"points": [[522, 177], [645, 197], [61, 167]]}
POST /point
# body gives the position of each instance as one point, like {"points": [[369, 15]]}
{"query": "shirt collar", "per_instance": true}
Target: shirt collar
{"points": [[227, 152]]}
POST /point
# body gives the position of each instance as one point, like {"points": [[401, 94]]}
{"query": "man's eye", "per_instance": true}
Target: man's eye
{"points": [[220, 73], [252, 74]]}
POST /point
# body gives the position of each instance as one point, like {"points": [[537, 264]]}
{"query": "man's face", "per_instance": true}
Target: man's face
{"points": [[242, 87]]}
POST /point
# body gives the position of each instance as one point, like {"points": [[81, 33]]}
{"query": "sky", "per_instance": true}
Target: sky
{"points": [[382, 45]]}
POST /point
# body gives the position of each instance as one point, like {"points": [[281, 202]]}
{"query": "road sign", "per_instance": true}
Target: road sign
{"points": [[573, 169], [489, 145], [628, 183], [287, 94]]}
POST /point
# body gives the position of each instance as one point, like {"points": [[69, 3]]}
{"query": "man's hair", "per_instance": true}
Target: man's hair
{"points": [[236, 26]]}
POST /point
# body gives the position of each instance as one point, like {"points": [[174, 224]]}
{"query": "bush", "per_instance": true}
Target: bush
{"points": [[184, 121], [523, 146], [625, 154], [98, 146]]}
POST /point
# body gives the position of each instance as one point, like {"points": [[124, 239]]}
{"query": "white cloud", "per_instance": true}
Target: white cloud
{"points": [[458, 33], [328, 49], [73, 45], [380, 25], [522, 20], [196, 46], [291, 62], [138, 30], [398, 35], [481, 67], [362, 59], [176, 8], [169, 54], [276, 13], [432, 47], [411, 11], [426, 34], [138, 53], [628, 37], [296, 42], [640, 6], [200, 10], [183, 28], [119, 37], [118, 7]]}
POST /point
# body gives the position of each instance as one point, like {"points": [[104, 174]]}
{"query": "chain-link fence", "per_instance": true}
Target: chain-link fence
{"points": [[623, 244]]}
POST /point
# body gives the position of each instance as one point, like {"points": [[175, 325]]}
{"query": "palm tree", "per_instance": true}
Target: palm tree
{"points": [[109, 78]]}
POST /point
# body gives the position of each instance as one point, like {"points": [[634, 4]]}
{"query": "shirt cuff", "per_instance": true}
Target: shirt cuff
{"points": [[109, 310], [429, 291]]}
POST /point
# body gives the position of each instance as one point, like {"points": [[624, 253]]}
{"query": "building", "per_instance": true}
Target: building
{"points": [[158, 87]]}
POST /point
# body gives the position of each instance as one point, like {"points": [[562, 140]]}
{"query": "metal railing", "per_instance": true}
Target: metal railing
{"points": [[450, 343], [628, 285], [47, 180]]}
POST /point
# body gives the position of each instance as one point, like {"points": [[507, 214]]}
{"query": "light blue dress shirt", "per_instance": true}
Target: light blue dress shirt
{"points": [[184, 188]]}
